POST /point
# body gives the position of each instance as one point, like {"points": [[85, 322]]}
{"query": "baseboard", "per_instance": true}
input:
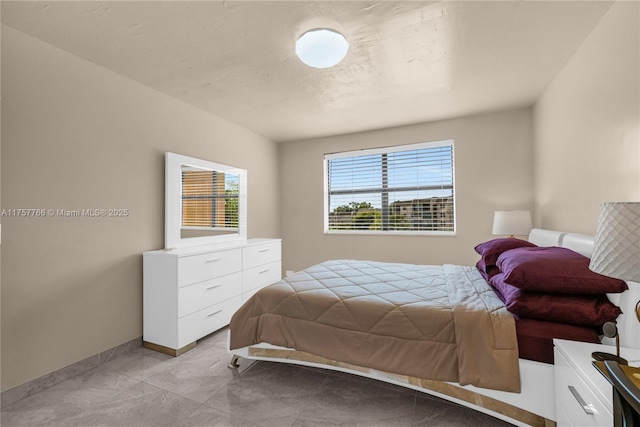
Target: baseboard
{"points": [[170, 351], [32, 387]]}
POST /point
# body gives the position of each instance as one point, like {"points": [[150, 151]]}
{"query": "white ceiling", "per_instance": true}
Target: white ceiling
{"points": [[408, 62]]}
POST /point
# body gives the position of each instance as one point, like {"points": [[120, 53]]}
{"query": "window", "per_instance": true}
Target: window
{"points": [[209, 199], [403, 189]]}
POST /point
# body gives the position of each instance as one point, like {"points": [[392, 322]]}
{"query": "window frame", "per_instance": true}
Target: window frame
{"points": [[387, 150]]}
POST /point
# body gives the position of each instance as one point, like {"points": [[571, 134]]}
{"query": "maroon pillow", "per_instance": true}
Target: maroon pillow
{"points": [[555, 270], [492, 249], [587, 310]]}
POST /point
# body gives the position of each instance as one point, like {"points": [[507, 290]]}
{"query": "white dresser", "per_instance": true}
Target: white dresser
{"points": [[190, 292], [583, 395]]}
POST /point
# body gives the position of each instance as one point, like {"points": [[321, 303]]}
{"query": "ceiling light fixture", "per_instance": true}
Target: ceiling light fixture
{"points": [[321, 48]]}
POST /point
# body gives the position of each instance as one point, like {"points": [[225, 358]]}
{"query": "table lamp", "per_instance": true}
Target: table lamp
{"points": [[616, 254], [513, 223]]}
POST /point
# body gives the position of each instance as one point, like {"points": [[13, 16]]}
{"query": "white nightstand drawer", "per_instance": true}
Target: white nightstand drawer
{"points": [[261, 254], [258, 277], [203, 322], [198, 268], [195, 297], [575, 400]]}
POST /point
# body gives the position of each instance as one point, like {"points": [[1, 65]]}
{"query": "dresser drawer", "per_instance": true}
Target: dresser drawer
{"points": [[569, 408], [260, 254], [258, 277], [191, 292], [198, 268], [203, 322], [201, 295]]}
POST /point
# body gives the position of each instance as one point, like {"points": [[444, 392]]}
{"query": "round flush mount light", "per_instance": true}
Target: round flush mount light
{"points": [[321, 48]]}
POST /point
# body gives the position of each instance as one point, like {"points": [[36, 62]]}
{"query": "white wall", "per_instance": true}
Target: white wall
{"points": [[587, 127], [77, 136], [493, 171]]}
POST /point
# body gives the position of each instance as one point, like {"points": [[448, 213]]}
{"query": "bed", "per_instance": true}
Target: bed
{"points": [[475, 333]]}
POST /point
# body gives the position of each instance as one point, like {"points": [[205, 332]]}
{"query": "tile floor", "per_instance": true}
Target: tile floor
{"points": [[146, 388]]}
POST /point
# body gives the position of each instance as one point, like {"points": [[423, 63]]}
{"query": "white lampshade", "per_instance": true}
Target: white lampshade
{"points": [[616, 251], [321, 48], [513, 223]]}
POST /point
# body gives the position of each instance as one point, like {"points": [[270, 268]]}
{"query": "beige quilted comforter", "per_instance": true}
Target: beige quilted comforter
{"points": [[434, 322]]}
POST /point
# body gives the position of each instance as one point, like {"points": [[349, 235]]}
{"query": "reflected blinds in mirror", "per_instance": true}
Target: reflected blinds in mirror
{"points": [[209, 199]]}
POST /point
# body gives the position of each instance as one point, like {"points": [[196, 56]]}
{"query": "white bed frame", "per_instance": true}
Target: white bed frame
{"points": [[533, 406]]}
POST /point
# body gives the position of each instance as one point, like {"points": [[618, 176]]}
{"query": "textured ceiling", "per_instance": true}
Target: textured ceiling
{"points": [[408, 62]]}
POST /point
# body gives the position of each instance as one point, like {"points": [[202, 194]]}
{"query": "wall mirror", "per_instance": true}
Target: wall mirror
{"points": [[205, 202]]}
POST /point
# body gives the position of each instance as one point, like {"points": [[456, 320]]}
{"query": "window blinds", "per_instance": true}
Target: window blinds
{"points": [[405, 188]]}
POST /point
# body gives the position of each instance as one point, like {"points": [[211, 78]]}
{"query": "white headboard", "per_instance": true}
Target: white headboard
{"points": [[581, 243], [542, 237]]}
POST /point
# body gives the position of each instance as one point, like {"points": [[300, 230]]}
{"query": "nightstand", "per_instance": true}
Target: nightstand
{"points": [[583, 395]]}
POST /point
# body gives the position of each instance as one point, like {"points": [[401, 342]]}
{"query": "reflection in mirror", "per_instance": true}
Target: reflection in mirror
{"points": [[205, 202], [209, 202]]}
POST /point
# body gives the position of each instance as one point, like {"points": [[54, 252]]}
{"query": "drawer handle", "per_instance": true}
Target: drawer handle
{"points": [[264, 271], [214, 286], [214, 313], [264, 250], [588, 409], [214, 260]]}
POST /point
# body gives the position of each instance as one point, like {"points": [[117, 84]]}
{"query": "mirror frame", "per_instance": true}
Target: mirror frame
{"points": [[173, 202]]}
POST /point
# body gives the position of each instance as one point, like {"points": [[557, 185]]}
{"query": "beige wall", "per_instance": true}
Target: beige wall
{"points": [[77, 136], [587, 122], [493, 170]]}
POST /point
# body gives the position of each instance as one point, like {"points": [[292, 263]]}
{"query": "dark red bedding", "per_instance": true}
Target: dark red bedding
{"points": [[551, 293], [535, 337]]}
